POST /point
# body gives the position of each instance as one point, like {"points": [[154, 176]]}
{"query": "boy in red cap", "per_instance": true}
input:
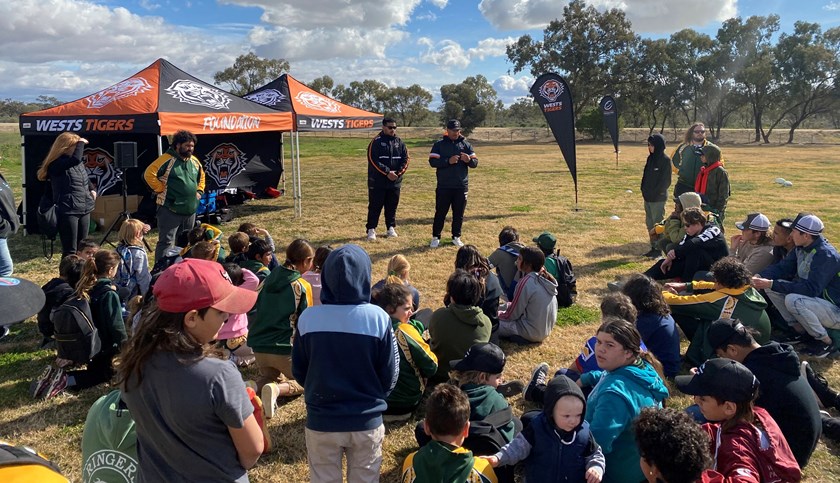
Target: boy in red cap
{"points": [[165, 370]]}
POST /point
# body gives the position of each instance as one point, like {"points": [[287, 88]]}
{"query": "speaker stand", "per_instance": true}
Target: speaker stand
{"points": [[124, 215]]}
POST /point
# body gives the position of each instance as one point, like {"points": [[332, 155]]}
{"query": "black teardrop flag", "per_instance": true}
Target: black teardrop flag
{"points": [[610, 112], [552, 94]]}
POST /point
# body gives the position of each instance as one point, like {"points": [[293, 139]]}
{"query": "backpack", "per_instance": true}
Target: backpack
{"points": [[47, 220], [566, 281], [20, 463], [76, 337], [484, 438]]}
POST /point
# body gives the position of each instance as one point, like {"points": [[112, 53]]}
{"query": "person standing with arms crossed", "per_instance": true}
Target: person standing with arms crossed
{"points": [[387, 161], [177, 179], [452, 156]]}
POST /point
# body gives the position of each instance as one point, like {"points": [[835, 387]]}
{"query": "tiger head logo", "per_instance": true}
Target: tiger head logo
{"points": [[224, 162], [127, 88], [101, 170], [191, 92], [267, 97], [317, 102], [551, 90]]}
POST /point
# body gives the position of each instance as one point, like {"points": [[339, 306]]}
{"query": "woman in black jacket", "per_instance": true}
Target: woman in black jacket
{"points": [[655, 182], [72, 191]]}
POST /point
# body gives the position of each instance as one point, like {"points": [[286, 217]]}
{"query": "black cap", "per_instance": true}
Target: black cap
{"points": [[483, 357], [724, 379], [722, 331], [453, 124], [19, 300]]}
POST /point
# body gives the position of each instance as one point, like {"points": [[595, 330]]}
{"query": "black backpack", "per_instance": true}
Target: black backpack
{"points": [[566, 281], [484, 438], [76, 337]]}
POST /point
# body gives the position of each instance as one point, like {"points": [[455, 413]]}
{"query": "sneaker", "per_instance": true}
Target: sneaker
{"points": [[4, 331], [371, 235], [396, 418], [792, 338], [57, 384], [392, 232], [510, 389], [39, 385], [539, 377], [456, 240], [435, 242], [820, 351], [653, 253], [270, 393]]}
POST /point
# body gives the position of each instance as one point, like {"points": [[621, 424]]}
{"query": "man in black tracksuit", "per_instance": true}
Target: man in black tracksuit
{"points": [[387, 161], [452, 156]]}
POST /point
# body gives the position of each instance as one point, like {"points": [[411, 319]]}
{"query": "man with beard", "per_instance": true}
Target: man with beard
{"points": [[686, 161], [177, 179]]}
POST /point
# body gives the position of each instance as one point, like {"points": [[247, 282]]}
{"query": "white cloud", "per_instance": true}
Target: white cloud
{"points": [[74, 47], [360, 14], [441, 4], [446, 53], [323, 43], [490, 47], [149, 5], [833, 6], [510, 89], [647, 16]]}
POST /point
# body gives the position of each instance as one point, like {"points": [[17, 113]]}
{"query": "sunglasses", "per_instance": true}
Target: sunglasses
{"points": [[390, 127], [700, 132]]}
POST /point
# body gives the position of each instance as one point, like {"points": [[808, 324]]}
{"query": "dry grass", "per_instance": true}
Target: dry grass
{"points": [[527, 186]]}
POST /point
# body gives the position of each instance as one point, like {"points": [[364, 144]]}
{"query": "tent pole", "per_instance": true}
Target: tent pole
{"points": [[298, 185], [23, 177], [160, 146]]}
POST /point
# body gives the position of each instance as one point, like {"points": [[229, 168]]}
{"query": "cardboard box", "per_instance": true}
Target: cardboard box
{"points": [[109, 207]]}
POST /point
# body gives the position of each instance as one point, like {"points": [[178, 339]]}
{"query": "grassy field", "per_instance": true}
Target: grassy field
{"points": [[524, 185]]}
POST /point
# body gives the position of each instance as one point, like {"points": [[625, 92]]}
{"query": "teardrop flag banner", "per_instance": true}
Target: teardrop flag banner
{"points": [[552, 94], [610, 112]]}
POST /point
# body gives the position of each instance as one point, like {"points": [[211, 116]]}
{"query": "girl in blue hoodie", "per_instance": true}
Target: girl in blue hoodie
{"points": [[630, 380]]}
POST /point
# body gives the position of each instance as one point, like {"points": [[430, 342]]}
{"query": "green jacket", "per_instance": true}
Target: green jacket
{"points": [[486, 400], [453, 330], [185, 179], [281, 300], [441, 462], [109, 442], [417, 363], [717, 189], [257, 268], [687, 164]]}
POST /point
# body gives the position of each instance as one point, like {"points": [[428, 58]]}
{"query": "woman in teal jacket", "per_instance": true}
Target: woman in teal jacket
{"points": [[629, 381]]}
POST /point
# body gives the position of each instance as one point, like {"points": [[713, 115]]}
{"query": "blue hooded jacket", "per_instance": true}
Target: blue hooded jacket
{"points": [[613, 405], [344, 353]]}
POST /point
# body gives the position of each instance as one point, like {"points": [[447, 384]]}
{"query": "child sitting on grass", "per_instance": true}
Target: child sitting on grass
{"points": [[746, 443], [259, 256], [443, 459], [233, 336], [398, 273], [256, 233], [417, 361], [557, 444], [238, 244], [313, 275], [532, 311], [56, 291], [479, 375]]}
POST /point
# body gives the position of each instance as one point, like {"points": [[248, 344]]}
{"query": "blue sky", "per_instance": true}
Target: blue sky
{"points": [[72, 48]]}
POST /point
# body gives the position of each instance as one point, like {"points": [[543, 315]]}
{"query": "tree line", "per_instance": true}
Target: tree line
{"points": [[747, 75]]}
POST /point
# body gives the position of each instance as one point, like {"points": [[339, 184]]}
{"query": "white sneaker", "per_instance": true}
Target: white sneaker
{"points": [[435, 242], [270, 393], [456, 240], [392, 233], [371, 235]]}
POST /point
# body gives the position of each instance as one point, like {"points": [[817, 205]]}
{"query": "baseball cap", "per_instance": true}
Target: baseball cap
{"points": [[19, 300], [453, 124], [546, 240], [721, 378], [808, 223], [484, 357], [754, 221], [722, 331], [196, 284]]}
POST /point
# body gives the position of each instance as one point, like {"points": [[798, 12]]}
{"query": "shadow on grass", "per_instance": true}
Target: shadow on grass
{"points": [[630, 265], [289, 436], [634, 249]]}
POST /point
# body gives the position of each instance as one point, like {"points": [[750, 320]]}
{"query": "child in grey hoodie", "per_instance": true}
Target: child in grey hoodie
{"points": [[532, 312]]}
